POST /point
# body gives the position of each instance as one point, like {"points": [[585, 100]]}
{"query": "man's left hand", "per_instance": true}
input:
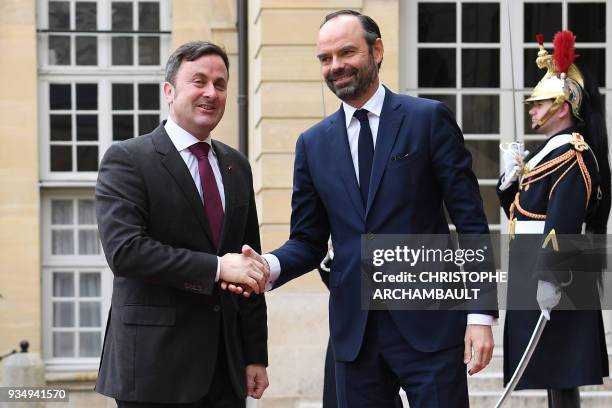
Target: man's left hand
{"points": [[478, 338], [242, 289], [256, 380]]}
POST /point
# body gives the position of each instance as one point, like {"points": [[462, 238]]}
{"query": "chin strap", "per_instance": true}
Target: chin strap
{"points": [[555, 107]]}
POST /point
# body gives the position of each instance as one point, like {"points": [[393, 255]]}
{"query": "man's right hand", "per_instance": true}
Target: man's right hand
{"points": [[240, 288], [242, 270], [548, 296], [513, 165]]}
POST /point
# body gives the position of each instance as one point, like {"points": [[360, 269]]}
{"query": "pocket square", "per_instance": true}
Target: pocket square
{"points": [[401, 156]]}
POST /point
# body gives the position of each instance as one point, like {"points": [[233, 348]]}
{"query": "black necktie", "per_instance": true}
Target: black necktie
{"points": [[365, 153]]}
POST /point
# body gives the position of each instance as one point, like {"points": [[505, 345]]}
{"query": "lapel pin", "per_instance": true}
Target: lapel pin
{"points": [[229, 168]]}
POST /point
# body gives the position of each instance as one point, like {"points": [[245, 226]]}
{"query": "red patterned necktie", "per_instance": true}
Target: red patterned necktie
{"points": [[210, 191]]}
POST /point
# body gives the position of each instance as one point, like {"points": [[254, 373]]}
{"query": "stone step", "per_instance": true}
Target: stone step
{"points": [[491, 378], [519, 399], [494, 382], [606, 386], [537, 399]]}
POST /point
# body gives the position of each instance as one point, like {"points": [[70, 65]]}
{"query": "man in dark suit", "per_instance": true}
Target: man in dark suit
{"points": [[395, 161], [171, 206]]}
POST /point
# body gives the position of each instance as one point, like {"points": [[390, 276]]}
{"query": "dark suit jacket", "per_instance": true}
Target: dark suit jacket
{"points": [[419, 164], [167, 313]]}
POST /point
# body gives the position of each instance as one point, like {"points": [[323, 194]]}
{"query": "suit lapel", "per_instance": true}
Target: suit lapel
{"points": [[229, 186], [173, 162], [390, 122], [343, 160]]}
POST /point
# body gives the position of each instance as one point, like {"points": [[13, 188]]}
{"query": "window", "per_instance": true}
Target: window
{"points": [[76, 323], [135, 109], [458, 61], [73, 227], [80, 119], [459, 52], [140, 49], [100, 75], [73, 127], [102, 33], [64, 47], [76, 281]]}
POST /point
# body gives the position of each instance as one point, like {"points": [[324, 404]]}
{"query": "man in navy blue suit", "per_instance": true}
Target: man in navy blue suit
{"points": [[382, 164]]}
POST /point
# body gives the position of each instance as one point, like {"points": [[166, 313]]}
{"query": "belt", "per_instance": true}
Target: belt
{"points": [[533, 227], [529, 227]]}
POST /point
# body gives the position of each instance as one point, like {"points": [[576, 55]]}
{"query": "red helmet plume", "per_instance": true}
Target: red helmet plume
{"points": [[565, 51]]}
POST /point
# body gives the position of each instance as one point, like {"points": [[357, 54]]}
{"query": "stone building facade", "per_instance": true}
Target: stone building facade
{"points": [[77, 75]]}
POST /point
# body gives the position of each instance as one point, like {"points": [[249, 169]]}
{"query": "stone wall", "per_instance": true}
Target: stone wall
{"points": [[20, 283], [212, 20]]}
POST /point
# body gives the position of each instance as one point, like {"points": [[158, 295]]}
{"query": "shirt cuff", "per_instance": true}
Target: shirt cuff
{"points": [[218, 275], [482, 319], [275, 270]]}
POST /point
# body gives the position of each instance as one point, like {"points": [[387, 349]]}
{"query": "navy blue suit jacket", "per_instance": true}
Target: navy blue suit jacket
{"points": [[420, 163]]}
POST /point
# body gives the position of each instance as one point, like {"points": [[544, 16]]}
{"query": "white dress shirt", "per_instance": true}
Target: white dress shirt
{"points": [[374, 107], [183, 140]]}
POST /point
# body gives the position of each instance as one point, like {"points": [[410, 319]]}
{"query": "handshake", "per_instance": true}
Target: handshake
{"points": [[244, 273]]}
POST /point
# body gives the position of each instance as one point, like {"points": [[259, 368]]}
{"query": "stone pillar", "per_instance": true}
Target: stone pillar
{"points": [[20, 286], [212, 20]]}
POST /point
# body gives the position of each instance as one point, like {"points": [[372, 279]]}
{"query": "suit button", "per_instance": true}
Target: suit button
{"points": [[216, 308]]}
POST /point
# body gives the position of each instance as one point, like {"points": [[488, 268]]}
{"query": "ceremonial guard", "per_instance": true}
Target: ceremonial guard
{"points": [[561, 188]]}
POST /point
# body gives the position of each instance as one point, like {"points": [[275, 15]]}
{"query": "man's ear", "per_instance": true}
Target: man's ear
{"points": [[565, 110], [169, 92], [378, 50]]}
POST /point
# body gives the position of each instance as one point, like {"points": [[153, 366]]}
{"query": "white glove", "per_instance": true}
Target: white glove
{"points": [[548, 297], [514, 161]]}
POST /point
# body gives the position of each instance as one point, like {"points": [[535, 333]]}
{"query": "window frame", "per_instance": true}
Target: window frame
{"points": [[409, 72], [103, 74], [104, 47], [70, 263], [105, 125]]}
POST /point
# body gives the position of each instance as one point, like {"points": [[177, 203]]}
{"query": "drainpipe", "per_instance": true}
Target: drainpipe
{"points": [[243, 77]]}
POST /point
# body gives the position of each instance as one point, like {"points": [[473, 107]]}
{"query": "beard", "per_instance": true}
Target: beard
{"points": [[361, 80]]}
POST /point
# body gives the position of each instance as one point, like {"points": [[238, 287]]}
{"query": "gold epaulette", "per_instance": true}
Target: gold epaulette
{"points": [[578, 142]]}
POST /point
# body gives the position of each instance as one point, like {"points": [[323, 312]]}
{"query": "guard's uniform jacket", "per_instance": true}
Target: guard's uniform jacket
{"points": [[555, 195]]}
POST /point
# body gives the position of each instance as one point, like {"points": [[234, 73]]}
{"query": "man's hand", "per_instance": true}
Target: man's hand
{"points": [[251, 253], [548, 296], [234, 287], [243, 270], [256, 380], [480, 339], [514, 162]]}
